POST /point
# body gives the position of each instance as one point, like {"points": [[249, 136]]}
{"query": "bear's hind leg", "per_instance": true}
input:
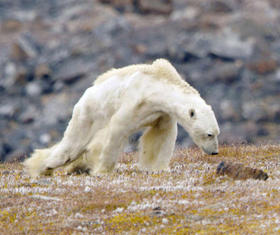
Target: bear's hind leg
{"points": [[113, 139], [87, 162], [74, 142], [78, 166], [157, 144], [35, 164]]}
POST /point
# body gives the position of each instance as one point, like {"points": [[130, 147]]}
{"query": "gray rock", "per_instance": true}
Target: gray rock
{"points": [[33, 89], [5, 149], [199, 45], [120, 5], [8, 110], [58, 86], [16, 156], [253, 111], [70, 72], [262, 132], [189, 13], [277, 75], [225, 72], [28, 115], [45, 139], [228, 111], [154, 7], [25, 48], [219, 6], [230, 46], [15, 76], [141, 6], [10, 74]]}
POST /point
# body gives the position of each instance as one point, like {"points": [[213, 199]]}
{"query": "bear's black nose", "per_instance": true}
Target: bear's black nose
{"points": [[214, 153]]}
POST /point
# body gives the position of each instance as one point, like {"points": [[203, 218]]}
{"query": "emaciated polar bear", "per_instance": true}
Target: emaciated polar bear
{"points": [[122, 101]]}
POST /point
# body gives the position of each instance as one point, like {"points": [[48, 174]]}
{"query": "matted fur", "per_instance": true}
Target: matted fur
{"points": [[160, 69]]}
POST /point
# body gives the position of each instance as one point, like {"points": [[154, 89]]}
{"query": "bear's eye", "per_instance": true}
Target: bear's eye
{"points": [[210, 135], [191, 112]]}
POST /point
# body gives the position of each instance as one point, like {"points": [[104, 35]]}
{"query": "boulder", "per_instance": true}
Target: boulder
{"points": [[238, 171]]}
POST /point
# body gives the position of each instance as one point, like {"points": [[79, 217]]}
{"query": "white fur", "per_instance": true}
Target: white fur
{"points": [[121, 102]]}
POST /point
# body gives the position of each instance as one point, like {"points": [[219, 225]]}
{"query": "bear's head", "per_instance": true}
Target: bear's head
{"points": [[203, 128]]}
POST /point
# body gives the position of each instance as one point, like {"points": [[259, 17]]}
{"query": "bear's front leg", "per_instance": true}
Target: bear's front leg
{"points": [[157, 144], [111, 150]]}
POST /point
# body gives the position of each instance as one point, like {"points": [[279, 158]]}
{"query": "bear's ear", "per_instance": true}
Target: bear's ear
{"points": [[192, 113]]}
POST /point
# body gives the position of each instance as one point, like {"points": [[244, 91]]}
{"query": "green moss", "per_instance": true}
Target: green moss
{"points": [[130, 222]]}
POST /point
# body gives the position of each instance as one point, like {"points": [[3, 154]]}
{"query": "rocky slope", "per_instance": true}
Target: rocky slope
{"points": [[51, 51]]}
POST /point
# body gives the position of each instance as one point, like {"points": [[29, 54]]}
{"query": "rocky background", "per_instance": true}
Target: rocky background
{"points": [[51, 51]]}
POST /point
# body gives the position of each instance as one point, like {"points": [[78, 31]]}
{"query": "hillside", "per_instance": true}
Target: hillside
{"points": [[52, 51], [190, 198]]}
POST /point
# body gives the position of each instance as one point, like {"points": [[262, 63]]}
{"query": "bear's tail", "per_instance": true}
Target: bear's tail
{"points": [[35, 165]]}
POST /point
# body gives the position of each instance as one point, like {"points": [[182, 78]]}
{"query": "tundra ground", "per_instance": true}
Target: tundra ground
{"points": [[189, 198]]}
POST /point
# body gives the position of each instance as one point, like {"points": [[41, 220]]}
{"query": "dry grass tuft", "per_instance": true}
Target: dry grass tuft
{"points": [[189, 198]]}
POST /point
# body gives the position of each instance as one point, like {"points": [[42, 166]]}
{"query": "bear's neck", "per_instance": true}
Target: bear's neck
{"points": [[176, 103]]}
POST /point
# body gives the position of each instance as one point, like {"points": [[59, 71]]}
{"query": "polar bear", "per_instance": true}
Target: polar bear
{"points": [[121, 102]]}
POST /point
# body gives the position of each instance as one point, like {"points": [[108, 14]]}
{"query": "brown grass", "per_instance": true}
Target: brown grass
{"points": [[190, 198]]}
